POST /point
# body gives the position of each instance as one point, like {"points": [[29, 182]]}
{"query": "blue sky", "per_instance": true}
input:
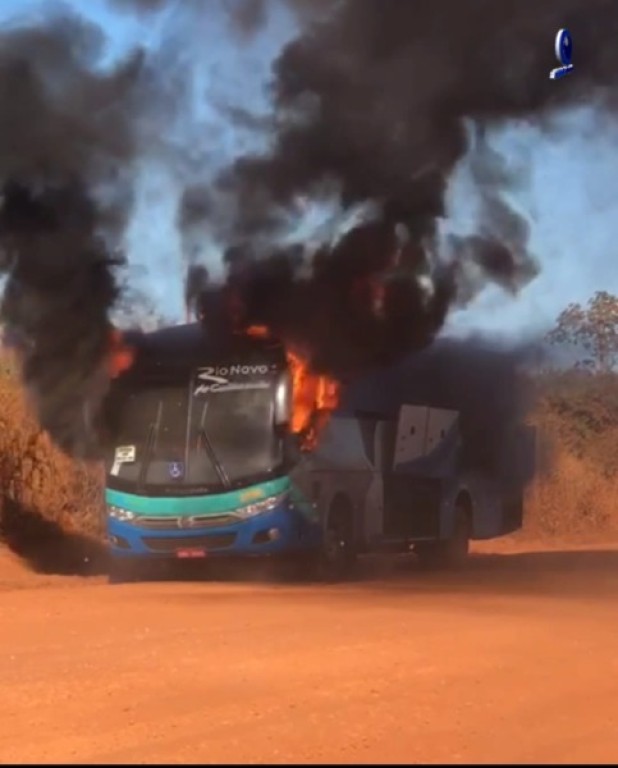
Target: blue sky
{"points": [[568, 194], [566, 174]]}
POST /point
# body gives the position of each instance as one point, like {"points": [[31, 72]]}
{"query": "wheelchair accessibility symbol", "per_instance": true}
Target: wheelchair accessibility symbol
{"points": [[176, 470]]}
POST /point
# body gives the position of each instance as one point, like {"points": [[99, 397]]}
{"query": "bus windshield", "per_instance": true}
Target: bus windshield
{"points": [[169, 438]]}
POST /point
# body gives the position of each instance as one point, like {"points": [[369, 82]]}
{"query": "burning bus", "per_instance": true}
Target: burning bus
{"points": [[200, 451], [219, 446]]}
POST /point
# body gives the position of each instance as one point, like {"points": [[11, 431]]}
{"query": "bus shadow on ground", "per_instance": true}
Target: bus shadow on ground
{"points": [[46, 547], [564, 574], [584, 573]]}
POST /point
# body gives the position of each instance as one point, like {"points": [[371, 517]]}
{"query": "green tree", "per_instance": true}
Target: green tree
{"points": [[593, 328]]}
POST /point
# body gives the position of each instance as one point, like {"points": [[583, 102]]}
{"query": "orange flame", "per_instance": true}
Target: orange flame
{"points": [[258, 331], [314, 396], [120, 356], [314, 399]]}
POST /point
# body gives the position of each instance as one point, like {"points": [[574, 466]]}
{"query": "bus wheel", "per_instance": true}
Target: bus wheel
{"points": [[451, 552], [337, 558], [334, 560]]}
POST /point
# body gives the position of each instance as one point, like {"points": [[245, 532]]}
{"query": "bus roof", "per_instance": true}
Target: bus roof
{"points": [[182, 348]]}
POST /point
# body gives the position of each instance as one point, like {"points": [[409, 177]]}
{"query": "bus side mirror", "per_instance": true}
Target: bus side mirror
{"points": [[283, 400]]}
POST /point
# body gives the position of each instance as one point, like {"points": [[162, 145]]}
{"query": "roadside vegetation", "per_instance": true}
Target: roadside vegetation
{"points": [[576, 414]]}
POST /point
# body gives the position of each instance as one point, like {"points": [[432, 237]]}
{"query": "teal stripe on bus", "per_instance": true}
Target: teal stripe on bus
{"points": [[214, 504]]}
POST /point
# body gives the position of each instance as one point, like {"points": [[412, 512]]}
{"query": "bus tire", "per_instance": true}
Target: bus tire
{"points": [[335, 559], [452, 552]]}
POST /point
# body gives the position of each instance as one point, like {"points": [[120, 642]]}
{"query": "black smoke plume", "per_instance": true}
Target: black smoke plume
{"points": [[373, 99], [55, 305], [370, 100], [65, 137]]}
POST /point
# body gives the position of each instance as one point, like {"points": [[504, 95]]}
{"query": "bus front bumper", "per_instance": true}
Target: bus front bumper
{"points": [[276, 532]]}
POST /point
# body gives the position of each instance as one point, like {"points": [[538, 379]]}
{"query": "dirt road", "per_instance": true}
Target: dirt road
{"points": [[514, 660]]}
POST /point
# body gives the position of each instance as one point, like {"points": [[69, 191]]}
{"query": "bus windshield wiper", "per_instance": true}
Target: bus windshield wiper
{"points": [[153, 432], [214, 459], [204, 437]]}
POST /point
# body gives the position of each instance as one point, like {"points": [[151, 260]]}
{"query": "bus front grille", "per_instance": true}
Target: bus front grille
{"points": [[173, 543], [173, 523]]}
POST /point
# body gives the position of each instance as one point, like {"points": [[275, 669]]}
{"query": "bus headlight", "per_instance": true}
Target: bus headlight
{"points": [[118, 513], [260, 507]]}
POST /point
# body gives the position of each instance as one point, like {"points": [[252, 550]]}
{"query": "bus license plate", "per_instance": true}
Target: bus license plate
{"points": [[190, 552]]}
